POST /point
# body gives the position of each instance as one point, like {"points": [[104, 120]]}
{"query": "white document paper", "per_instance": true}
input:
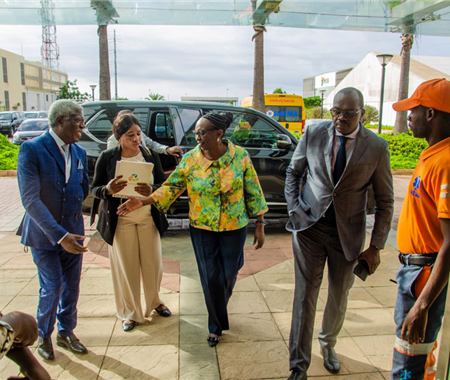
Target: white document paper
{"points": [[133, 173]]}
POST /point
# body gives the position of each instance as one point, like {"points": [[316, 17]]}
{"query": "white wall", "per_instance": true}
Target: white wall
{"points": [[39, 101]]}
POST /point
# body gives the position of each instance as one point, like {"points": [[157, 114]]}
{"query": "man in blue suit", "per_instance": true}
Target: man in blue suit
{"points": [[53, 182]]}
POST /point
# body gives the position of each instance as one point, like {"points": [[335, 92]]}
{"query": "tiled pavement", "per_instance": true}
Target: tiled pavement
{"points": [[175, 347]]}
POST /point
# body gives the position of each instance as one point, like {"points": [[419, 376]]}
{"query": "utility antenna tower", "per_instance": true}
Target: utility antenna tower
{"points": [[49, 49]]}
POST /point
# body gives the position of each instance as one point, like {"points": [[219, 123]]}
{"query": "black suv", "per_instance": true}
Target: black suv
{"points": [[172, 123], [10, 121]]}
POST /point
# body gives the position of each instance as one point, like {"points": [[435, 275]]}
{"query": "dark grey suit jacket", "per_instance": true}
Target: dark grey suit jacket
{"points": [[310, 188]]}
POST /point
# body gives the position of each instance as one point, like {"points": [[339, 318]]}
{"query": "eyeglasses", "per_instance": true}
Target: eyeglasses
{"points": [[335, 112], [76, 119], [202, 133]]}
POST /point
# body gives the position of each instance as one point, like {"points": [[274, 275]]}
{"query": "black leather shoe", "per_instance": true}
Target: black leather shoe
{"points": [[297, 375], [128, 326], [164, 312], [45, 348], [213, 340], [330, 360], [72, 343]]}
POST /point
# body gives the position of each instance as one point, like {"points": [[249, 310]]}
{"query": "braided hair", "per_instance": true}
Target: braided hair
{"points": [[220, 120]]}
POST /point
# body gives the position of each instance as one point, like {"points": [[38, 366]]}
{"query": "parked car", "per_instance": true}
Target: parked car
{"points": [[172, 123], [10, 121], [30, 129], [36, 115]]}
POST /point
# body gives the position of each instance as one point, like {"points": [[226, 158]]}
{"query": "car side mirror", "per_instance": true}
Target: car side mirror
{"points": [[284, 142]]}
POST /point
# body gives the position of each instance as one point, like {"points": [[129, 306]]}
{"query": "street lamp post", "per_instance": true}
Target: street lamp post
{"points": [[322, 93], [384, 59], [93, 86]]}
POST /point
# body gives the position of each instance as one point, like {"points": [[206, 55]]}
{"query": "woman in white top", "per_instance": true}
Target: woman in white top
{"points": [[134, 240]]}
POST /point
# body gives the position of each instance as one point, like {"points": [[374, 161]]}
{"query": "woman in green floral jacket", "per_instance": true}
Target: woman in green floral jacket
{"points": [[224, 192]]}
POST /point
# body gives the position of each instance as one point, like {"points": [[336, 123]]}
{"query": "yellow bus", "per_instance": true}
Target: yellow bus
{"points": [[288, 110]]}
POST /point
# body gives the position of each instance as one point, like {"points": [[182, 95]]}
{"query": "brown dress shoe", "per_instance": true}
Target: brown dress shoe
{"points": [[45, 348], [72, 343]]}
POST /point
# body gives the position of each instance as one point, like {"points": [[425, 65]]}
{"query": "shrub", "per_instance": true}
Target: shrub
{"points": [[8, 154], [316, 113], [405, 149], [371, 115]]}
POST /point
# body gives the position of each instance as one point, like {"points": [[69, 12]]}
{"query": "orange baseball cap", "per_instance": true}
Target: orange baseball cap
{"points": [[434, 93]]}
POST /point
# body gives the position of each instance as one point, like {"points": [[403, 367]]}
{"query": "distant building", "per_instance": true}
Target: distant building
{"points": [[27, 85], [313, 86], [214, 99], [366, 77]]}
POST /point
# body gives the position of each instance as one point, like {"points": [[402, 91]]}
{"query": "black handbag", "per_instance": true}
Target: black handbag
{"points": [[160, 220]]}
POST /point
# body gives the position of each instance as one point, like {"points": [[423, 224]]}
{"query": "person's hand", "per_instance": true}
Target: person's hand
{"points": [[116, 185], [143, 189], [174, 151], [24, 326], [129, 206], [413, 329], [71, 245], [372, 256], [260, 237]]}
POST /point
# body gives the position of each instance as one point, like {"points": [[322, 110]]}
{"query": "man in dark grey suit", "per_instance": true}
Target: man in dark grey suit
{"points": [[327, 186]]}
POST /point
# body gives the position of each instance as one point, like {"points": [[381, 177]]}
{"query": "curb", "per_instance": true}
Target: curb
{"points": [[8, 173]]}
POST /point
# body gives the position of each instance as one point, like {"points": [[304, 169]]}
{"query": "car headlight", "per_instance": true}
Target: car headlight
{"points": [[16, 137]]}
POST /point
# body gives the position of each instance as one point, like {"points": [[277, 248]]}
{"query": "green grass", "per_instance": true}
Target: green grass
{"points": [[8, 154]]}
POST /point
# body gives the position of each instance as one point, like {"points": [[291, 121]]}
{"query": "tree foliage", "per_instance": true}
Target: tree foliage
{"points": [[71, 91], [371, 115], [155, 96], [278, 90], [312, 101]]}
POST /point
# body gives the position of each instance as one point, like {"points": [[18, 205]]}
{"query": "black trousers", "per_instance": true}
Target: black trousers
{"points": [[219, 256]]}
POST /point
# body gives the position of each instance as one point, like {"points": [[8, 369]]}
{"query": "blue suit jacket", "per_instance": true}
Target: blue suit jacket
{"points": [[52, 207]]}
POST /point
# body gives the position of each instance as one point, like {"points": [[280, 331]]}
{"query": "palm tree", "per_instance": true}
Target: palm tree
{"points": [[156, 96], [105, 78], [258, 73], [401, 122]]}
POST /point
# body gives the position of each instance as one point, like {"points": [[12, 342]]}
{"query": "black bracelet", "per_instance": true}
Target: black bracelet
{"points": [[260, 221]]}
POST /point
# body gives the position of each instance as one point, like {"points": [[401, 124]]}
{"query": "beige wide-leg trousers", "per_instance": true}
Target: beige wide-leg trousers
{"points": [[136, 253]]}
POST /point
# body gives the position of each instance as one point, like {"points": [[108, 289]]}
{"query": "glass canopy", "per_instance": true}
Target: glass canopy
{"points": [[424, 17]]}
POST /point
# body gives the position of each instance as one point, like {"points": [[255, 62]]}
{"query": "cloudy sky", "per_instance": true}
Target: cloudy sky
{"points": [[208, 61]]}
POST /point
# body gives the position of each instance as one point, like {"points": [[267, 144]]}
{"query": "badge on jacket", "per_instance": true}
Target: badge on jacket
{"points": [[80, 165]]}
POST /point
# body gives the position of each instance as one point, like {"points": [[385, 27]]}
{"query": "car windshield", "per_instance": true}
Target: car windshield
{"points": [[5, 116], [33, 125], [31, 115]]}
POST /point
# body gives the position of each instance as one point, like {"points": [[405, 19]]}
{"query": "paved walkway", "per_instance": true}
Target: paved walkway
{"points": [[176, 347]]}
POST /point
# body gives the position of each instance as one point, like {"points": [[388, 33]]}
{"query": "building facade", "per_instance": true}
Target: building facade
{"points": [[366, 77], [27, 85]]}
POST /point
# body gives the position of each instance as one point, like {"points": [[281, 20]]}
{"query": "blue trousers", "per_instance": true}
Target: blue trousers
{"points": [[59, 277], [409, 360], [219, 256]]}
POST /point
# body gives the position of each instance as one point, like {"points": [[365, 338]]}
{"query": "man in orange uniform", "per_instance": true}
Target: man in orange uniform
{"points": [[423, 235]]}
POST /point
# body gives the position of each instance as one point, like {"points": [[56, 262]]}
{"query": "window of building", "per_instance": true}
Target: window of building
{"points": [[6, 100], [46, 98], [22, 73], [24, 101], [5, 70]]}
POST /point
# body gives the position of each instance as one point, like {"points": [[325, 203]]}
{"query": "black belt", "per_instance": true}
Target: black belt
{"points": [[417, 259]]}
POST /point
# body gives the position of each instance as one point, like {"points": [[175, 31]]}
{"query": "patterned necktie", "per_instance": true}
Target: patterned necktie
{"points": [[65, 149], [341, 160]]}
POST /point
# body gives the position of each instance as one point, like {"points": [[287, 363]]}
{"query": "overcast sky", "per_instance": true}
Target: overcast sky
{"points": [[208, 61]]}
